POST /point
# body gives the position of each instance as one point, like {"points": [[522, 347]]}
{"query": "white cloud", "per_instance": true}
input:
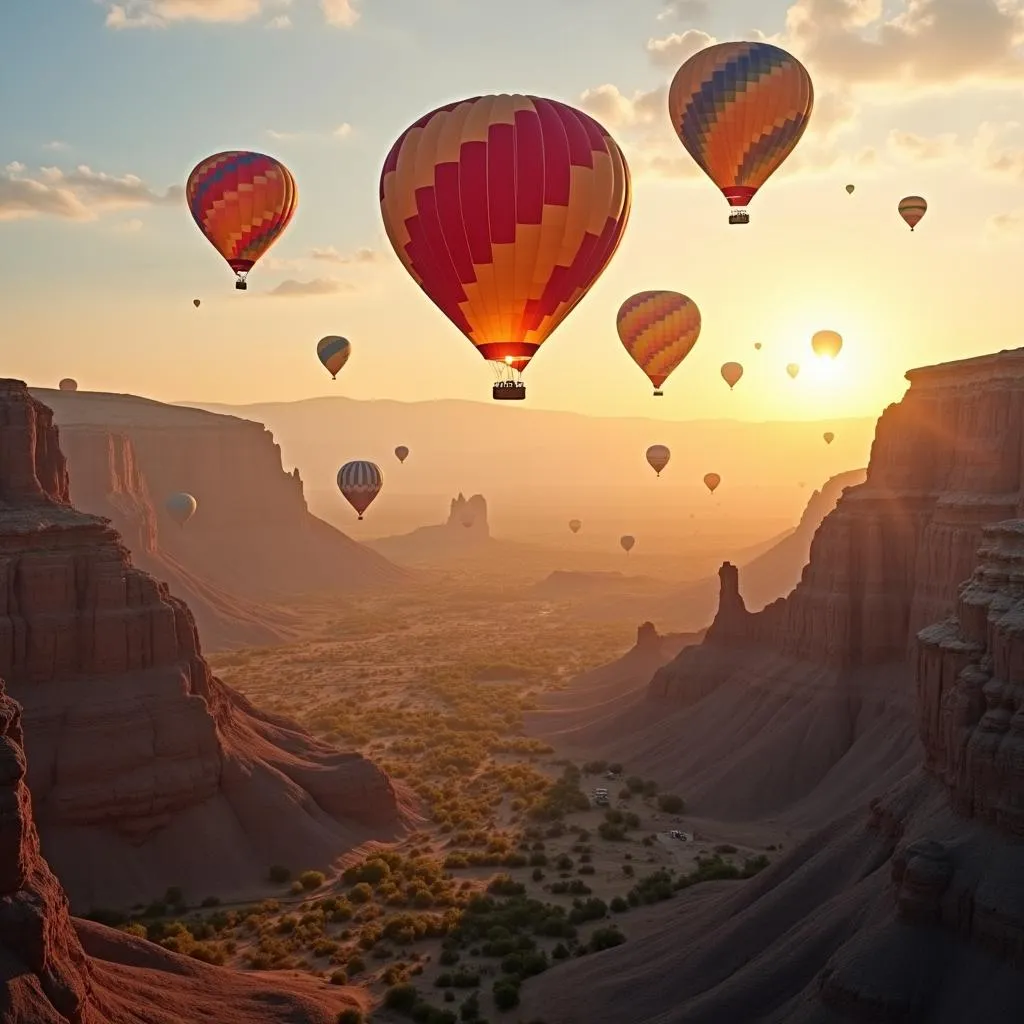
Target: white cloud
{"points": [[616, 110], [329, 254], [282, 21], [1009, 224], [56, 146], [343, 131], [909, 146], [81, 194], [161, 13], [342, 13], [129, 227], [678, 47], [685, 10], [292, 289]]}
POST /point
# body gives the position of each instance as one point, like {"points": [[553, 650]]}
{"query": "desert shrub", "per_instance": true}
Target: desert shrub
{"points": [[278, 874], [339, 977], [469, 1011], [560, 952], [360, 893], [506, 993], [448, 957], [401, 998], [537, 874], [587, 869], [671, 804], [618, 905], [752, 865], [502, 885], [635, 784], [351, 1016], [605, 938], [310, 880], [610, 831], [725, 848]]}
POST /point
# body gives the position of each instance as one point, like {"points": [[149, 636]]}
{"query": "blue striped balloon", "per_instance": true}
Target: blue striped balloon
{"points": [[360, 482], [333, 351]]}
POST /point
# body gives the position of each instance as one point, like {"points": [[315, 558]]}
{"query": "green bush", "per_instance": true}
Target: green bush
{"points": [[671, 804], [401, 998], [506, 993]]}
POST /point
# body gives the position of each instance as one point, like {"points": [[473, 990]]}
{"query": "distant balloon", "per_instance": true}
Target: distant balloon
{"points": [[826, 343], [467, 521], [829, 436], [658, 329], [731, 373], [333, 351], [241, 202], [739, 110], [627, 543], [711, 481], [196, 303], [801, 484], [658, 456], [757, 345], [181, 507], [849, 190], [360, 482], [401, 453], [912, 209], [68, 384], [793, 369], [574, 525]]}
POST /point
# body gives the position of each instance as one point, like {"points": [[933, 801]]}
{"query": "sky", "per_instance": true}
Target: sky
{"points": [[110, 105]]}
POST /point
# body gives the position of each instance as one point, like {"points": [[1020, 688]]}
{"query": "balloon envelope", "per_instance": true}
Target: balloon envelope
{"points": [[196, 303], [912, 209], [401, 453], [658, 329], [68, 384], [757, 345], [627, 542], [360, 482], [241, 202], [793, 369], [829, 436], [826, 343], [181, 507], [711, 481], [333, 351], [731, 373], [505, 210], [658, 456], [849, 190], [574, 525], [739, 110]]}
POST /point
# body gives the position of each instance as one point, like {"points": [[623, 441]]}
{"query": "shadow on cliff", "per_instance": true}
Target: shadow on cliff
{"points": [[146, 771]]}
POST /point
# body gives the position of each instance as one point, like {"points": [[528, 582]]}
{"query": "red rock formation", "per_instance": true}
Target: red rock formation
{"points": [[140, 760], [469, 512]]}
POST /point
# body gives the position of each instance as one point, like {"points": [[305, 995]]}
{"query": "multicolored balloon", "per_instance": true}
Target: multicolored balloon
{"points": [[829, 436], [242, 202], [793, 369], [912, 209], [658, 330], [711, 481], [574, 525], [657, 457], [333, 351], [827, 343], [739, 110], [627, 542], [181, 507], [68, 384], [731, 373], [401, 453], [505, 210], [360, 482]]}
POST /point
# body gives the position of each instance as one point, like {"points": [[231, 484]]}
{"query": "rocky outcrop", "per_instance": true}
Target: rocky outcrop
{"points": [[252, 537], [469, 513], [146, 771]]}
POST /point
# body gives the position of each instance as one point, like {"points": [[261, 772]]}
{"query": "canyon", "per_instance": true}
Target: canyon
{"points": [[138, 757], [879, 707]]}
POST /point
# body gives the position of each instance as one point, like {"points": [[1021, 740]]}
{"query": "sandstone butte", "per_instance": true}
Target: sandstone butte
{"points": [[146, 771], [252, 545], [906, 904]]}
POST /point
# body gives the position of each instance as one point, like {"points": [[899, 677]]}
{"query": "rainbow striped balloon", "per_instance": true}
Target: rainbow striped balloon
{"points": [[360, 482], [739, 110], [333, 351], [658, 329], [241, 202], [912, 209]]}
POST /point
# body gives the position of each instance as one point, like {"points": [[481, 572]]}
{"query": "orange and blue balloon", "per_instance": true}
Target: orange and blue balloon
{"points": [[912, 209], [658, 329], [333, 351], [242, 202]]}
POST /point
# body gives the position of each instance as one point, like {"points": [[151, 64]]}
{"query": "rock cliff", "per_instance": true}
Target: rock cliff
{"points": [[146, 771], [252, 537], [469, 513]]}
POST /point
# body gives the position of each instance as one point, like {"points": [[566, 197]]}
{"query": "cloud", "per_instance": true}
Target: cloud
{"points": [[82, 194], [342, 13], [924, 44], [343, 131], [1006, 224], [329, 254], [678, 47], [56, 146], [161, 13], [685, 10], [616, 110], [282, 21], [908, 146], [129, 227], [292, 289]]}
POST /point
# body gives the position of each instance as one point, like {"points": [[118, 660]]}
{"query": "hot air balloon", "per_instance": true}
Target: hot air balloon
{"points": [[757, 345], [333, 351], [912, 209], [627, 542], [849, 190], [505, 210], [401, 453], [731, 373], [196, 303], [68, 384], [793, 369], [658, 456], [826, 343], [467, 521], [241, 202], [711, 481], [360, 482], [181, 507], [658, 329], [739, 110], [829, 436], [574, 525]]}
